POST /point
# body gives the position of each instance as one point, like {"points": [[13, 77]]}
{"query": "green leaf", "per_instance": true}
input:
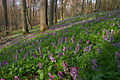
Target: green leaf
{"points": [[49, 68]]}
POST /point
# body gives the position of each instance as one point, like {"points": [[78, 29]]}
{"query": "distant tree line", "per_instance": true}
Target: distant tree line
{"points": [[17, 14]]}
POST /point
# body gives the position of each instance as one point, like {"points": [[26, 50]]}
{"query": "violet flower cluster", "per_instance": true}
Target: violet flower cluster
{"points": [[51, 77], [60, 75], [40, 65], [94, 65], [118, 59], [51, 57], [88, 48], [74, 72], [77, 48], [65, 68]]}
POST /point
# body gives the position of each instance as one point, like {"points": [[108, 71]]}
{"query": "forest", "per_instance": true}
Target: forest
{"points": [[59, 39]]}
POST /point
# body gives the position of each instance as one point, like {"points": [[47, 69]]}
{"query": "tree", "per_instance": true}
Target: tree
{"points": [[98, 8], [5, 16], [61, 9], [24, 18], [29, 13], [85, 9], [55, 11], [43, 17], [51, 17], [46, 12]]}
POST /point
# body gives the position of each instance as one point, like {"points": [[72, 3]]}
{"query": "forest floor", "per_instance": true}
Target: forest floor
{"points": [[69, 22]]}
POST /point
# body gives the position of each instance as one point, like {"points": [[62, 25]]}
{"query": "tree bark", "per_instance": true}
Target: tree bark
{"points": [[46, 12], [43, 17], [62, 9], [98, 8], [51, 17], [55, 11], [29, 13], [6, 16], [23, 16]]}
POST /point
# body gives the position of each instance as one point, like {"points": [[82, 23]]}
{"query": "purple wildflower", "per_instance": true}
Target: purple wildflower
{"points": [[113, 24], [40, 65], [60, 74], [51, 57], [36, 48], [17, 51], [66, 40], [74, 72], [33, 44], [25, 56], [59, 40], [99, 49], [94, 66], [41, 54], [77, 48], [118, 59], [21, 50], [87, 42], [86, 49], [2, 79], [98, 33], [51, 76], [16, 56], [87, 32], [53, 44], [103, 30], [65, 67], [59, 54], [39, 49], [16, 78], [64, 49], [118, 32], [34, 55], [55, 66], [90, 46], [5, 62], [72, 39], [112, 32], [80, 40], [107, 32], [111, 39]]}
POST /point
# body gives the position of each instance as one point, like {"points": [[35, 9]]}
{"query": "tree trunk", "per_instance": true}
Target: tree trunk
{"points": [[29, 13], [51, 17], [96, 5], [85, 9], [43, 17], [83, 5], [46, 12], [98, 8], [23, 16], [62, 9], [55, 11], [5, 15]]}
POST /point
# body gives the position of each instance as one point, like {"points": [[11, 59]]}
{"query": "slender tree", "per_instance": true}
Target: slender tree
{"points": [[24, 18], [43, 17], [98, 8], [51, 17], [55, 11], [61, 9], [4, 2], [29, 12], [46, 12]]}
